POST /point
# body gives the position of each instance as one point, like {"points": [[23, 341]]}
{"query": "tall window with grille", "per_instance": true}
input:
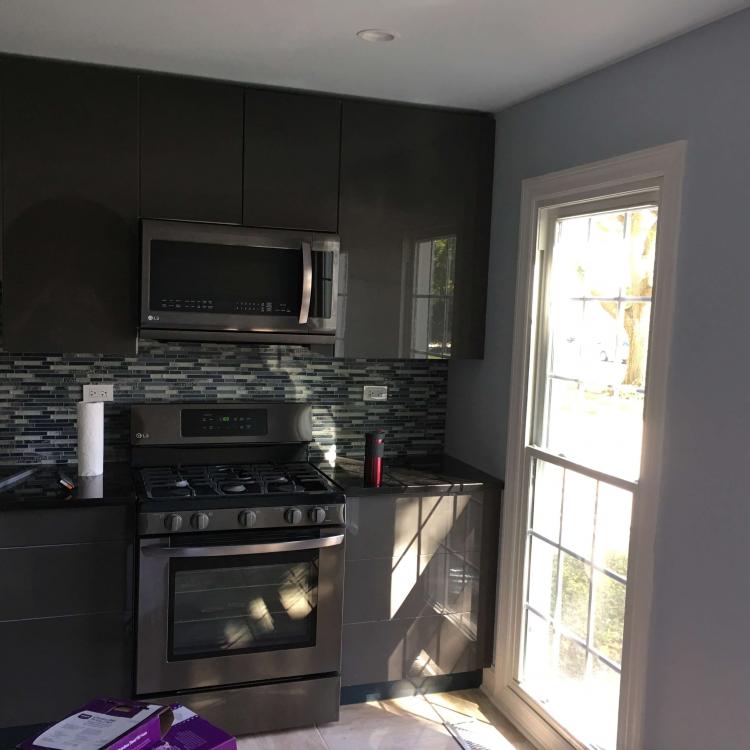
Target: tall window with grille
{"points": [[432, 297], [594, 282]]}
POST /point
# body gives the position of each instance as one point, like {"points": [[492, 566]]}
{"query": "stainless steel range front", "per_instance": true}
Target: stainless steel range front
{"points": [[241, 563]]}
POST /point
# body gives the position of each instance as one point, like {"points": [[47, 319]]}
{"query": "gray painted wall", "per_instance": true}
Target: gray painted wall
{"points": [[696, 87]]}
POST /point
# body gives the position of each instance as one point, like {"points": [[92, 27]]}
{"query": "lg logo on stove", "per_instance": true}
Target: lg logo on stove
{"points": [[141, 435]]}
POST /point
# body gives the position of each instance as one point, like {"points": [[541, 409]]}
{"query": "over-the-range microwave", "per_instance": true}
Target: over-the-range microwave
{"points": [[216, 282]]}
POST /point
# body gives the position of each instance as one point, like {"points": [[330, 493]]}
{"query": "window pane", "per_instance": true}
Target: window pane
{"points": [[609, 616], [613, 529], [542, 595], [576, 586], [423, 267], [579, 501], [547, 494], [572, 664], [603, 695], [437, 327], [421, 315], [538, 649], [566, 339], [442, 262]]}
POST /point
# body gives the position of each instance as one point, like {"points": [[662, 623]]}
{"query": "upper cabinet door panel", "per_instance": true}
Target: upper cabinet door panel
{"points": [[71, 204], [191, 149], [414, 222], [292, 148]]}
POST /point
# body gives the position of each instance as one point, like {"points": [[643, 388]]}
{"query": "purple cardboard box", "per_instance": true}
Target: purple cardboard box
{"points": [[106, 724], [190, 732]]}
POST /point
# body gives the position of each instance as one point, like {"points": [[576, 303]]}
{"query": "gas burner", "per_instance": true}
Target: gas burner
{"points": [[234, 488]]}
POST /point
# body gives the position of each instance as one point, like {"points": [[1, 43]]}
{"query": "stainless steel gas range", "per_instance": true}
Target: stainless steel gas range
{"points": [[240, 565]]}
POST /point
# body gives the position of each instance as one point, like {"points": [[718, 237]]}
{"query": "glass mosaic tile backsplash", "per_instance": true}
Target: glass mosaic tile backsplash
{"points": [[38, 395]]}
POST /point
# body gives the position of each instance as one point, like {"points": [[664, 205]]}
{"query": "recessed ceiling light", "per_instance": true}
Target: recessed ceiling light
{"points": [[376, 35]]}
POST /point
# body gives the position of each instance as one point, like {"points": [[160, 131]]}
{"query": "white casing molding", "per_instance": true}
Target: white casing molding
{"points": [[661, 167]]}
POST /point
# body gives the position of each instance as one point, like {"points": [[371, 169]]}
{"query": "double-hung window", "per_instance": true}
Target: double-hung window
{"points": [[581, 377]]}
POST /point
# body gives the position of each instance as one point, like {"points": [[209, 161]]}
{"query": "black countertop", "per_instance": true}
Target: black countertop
{"points": [[440, 473], [42, 489]]}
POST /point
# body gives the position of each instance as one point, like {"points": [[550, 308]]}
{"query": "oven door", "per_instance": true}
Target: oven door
{"points": [[238, 608], [206, 277]]}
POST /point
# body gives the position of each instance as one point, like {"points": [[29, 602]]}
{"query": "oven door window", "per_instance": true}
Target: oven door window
{"points": [[230, 605]]}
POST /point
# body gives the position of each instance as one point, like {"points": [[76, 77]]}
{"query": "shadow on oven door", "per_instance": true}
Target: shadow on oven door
{"points": [[235, 608]]}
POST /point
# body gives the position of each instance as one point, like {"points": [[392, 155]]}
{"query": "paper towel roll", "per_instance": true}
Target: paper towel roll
{"points": [[90, 488], [90, 438]]}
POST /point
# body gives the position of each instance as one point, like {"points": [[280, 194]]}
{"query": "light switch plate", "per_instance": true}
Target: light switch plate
{"points": [[375, 393], [98, 392]]}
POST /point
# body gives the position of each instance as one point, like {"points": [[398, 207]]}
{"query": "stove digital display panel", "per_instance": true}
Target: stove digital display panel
{"points": [[224, 422]]}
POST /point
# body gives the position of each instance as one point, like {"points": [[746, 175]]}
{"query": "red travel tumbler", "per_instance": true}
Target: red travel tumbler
{"points": [[374, 449]]}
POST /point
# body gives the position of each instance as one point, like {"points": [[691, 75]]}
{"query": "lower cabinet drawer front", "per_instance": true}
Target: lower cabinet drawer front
{"points": [[393, 526], [406, 649], [22, 528], [410, 586], [63, 580], [54, 665]]}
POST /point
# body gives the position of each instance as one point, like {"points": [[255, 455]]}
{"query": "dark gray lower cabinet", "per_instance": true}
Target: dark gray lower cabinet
{"points": [[65, 611], [417, 586], [54, 665]]}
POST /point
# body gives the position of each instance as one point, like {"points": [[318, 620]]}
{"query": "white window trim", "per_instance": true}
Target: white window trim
{"points": [[660, 167]]}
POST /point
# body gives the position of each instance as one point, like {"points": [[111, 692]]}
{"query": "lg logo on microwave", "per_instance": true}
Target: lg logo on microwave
{"points": [[153, 317], [142, 435]]}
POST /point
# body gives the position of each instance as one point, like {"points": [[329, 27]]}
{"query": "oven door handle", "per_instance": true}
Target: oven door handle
{"points": [[307, 281], [246, 549]]}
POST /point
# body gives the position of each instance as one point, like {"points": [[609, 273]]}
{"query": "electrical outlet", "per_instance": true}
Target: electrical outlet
{"points": [[375, 393], [98, 392]]}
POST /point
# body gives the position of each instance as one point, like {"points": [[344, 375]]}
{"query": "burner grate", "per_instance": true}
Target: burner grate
{"points": [[237, 480]]}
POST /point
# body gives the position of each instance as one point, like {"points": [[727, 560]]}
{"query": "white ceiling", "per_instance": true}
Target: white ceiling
{"points": [[481, 54]]}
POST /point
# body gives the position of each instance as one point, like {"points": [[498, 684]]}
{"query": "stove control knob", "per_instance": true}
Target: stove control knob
{"points": [[317, 515], [199, 521], [247, 518], [173, 522], [293, 515]]}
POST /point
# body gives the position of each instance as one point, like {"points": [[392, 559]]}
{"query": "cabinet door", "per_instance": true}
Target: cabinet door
{"points": [[412, 587], [191, 149], [414, 225], [71, 199], [292, 144], [53, 665], [66, 610]]}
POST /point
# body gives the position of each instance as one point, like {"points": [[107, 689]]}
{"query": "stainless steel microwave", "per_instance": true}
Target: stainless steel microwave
{"points": [[211, 282]]}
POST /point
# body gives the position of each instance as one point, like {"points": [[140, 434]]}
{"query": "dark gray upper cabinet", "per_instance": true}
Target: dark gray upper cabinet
{"points": [[191, 149], [414, 222], [70, 176], [292, 146]]}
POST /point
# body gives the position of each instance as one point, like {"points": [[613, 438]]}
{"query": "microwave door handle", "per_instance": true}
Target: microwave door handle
{"points": [[246, 549], [307, 280]]}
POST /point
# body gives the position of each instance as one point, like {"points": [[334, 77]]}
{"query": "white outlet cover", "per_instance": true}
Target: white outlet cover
{"points": [[375, 393], [98, 392]]}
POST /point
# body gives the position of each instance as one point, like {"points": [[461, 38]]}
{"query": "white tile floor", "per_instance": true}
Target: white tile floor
{"points": [[414, 723]]}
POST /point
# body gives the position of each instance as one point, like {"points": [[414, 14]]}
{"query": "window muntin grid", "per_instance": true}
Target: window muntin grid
{"points": [[592, 314], [584, 637]]}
